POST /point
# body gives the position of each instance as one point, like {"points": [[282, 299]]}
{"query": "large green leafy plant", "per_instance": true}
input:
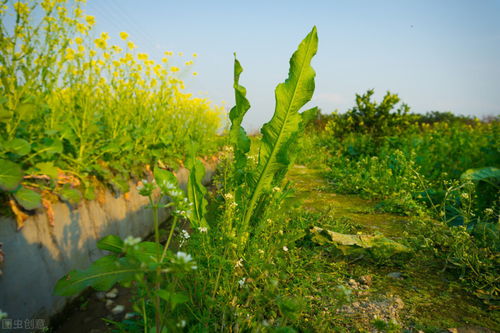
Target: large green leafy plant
{"points": [[247, 232], [169, 286]]}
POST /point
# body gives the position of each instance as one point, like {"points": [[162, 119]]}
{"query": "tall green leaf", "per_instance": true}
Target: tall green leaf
{"points": [[237, 135], [281, 132], [196, 193]]}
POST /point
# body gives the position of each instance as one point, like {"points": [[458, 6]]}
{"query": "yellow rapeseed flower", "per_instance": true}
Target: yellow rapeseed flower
{"points": [[70, 54], [164, 59], [168, 53], [78, 12], [195, 55], [47, 5], [174, 69], [62, 11], [105, 35], [131, 45], [81, 49], [142, 56], [100, 43], [189, 63], [195, 73], [123, 35], [90, 20], [78, 40], [21, 9], [81, 28]]}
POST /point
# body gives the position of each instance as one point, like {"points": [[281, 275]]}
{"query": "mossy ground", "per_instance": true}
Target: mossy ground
{"points": [[433, 300]]}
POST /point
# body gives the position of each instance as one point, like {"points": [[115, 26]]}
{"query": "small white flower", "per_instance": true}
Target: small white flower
{"points": [[269, 221], [176, 193], [169, 185], [228, 196], [3, 315], [185, 234], [234, 204], [285, 248], [182, 323], [276, 189], [183, 257], [131, 240], [239, 263], [202, 229], [241, 282], [260, 251], [465, 196]]}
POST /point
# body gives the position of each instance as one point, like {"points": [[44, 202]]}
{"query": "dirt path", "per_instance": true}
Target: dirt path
{"points": [[416, 294], [313, 190]]}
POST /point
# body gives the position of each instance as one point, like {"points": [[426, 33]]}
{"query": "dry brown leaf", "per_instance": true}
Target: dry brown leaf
{"points": [[49, 211], [100, 195], [45, 177], [20, 215]]}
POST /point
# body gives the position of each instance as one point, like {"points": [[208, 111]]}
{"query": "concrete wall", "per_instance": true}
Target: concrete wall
{"points": [[39, 254]]}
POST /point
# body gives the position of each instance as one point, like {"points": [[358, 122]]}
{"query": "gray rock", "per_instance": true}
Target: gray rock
{"points": [[113, 293], [101, 295], [129, 315], [118, 309], [109, 303]]}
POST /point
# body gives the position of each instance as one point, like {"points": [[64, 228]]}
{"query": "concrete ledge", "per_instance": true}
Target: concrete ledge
{"points": [[38, 255]]}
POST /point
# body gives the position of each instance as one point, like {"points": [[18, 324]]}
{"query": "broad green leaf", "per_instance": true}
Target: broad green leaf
{"points": [[237, 135], [281, 132], [172, 297], [70, 195], [111, 243], [163, 178], [47, 168], [101, 275], [17, 146], [196, 193], [27, 198], [51, 147], [147, 252], [485, 174], [11, 175]]}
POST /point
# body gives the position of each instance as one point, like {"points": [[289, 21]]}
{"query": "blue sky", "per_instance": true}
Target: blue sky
{"points": [[437, 55]]}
